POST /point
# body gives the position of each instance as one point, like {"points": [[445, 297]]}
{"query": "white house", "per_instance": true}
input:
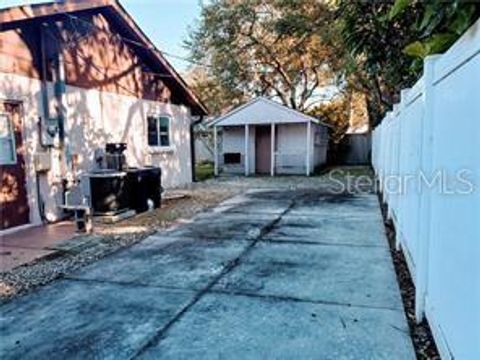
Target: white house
{"points": [[74, 76], [265, 137]]}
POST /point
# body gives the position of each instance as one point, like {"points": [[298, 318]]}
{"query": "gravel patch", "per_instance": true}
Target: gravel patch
{"points": [[106, 240], [42, 271]]}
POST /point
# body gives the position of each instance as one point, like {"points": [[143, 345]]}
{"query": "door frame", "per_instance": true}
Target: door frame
{"points": [[268, 135], [20, 104]]}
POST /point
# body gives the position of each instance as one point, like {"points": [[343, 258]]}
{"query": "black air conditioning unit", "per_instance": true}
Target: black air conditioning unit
{"points": [[108, 192], [143, 185]]}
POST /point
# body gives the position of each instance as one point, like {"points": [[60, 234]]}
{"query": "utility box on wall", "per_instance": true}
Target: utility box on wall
{"points": [[48, 131], [43, 161]]}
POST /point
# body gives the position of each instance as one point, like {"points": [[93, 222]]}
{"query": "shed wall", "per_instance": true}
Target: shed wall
{"points": [[290, 148], [233, 141], [320, 146]]}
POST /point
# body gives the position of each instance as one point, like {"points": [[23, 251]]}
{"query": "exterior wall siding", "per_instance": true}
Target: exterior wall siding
{"points": [[290, 148], [320, 146], [233, 141], [103, 62], [93, 119], [20, 53], [94, 58]]}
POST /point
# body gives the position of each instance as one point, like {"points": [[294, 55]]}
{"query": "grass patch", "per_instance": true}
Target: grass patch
{"points": [[204, 171]]}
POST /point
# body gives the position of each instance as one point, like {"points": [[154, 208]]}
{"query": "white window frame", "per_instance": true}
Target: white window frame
{"points": [[161, 147], [12, 139]]}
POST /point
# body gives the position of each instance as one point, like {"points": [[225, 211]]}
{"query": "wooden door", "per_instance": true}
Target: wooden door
{"points": [[263, 154], [14, 210]]}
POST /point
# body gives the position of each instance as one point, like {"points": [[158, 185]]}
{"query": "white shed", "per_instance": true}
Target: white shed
{"points": [[265, 137]]}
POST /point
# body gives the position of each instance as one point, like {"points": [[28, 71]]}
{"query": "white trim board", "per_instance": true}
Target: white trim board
{"points": [[264, 111]]}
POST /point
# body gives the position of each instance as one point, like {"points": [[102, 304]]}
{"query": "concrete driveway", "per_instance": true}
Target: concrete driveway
{"points": [[272, 274]]}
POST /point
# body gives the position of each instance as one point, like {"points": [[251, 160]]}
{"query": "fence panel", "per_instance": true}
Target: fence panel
{"points": [[411, 165], [428, 144]]}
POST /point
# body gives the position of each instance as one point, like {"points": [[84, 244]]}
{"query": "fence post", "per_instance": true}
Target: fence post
{"points": [[427, 143], [380, 152], [385, 154], [391, 163], [401, 164], [396, 139]]}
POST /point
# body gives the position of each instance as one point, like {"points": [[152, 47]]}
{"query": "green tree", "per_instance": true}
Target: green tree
{"points": [[377, 64], [385, 42], [438, 24], [275, 48], [288, 49], [215, 95]]}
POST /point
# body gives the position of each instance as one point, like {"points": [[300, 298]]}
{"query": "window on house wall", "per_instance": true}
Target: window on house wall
{"points": [[159, 131], [7, 140]]}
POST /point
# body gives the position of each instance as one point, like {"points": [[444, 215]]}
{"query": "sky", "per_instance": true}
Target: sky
{"points": [[165, 22]]}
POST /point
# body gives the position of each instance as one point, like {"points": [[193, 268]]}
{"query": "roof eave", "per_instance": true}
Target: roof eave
{"points": [[251, 102], [21, 13], [14, 15], [144, 38]]}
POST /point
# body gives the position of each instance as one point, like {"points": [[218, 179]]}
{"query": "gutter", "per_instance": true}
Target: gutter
{"points": [[41, 122]]}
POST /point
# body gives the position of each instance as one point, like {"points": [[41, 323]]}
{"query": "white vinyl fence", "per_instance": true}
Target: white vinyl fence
{"points": [[426, 154]]}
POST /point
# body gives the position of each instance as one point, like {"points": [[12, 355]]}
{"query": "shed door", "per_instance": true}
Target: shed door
{"points": [[14, 209], [262, 149]]}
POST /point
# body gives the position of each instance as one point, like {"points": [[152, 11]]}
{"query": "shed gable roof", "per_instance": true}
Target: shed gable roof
{"points": [[264, 111]]}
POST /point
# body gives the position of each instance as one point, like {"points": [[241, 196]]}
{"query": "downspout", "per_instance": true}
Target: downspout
{"points": [[60, 109], [59, 88], [60, 91], [46, 116], [43, 61], [192, 146], [51, 128]]}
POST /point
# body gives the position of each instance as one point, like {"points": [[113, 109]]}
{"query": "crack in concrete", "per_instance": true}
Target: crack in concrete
{"points": [[160, 334], [319, 243], [130, 284], [301, 300], [199, 293], [403, 331], [234, 293]]}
